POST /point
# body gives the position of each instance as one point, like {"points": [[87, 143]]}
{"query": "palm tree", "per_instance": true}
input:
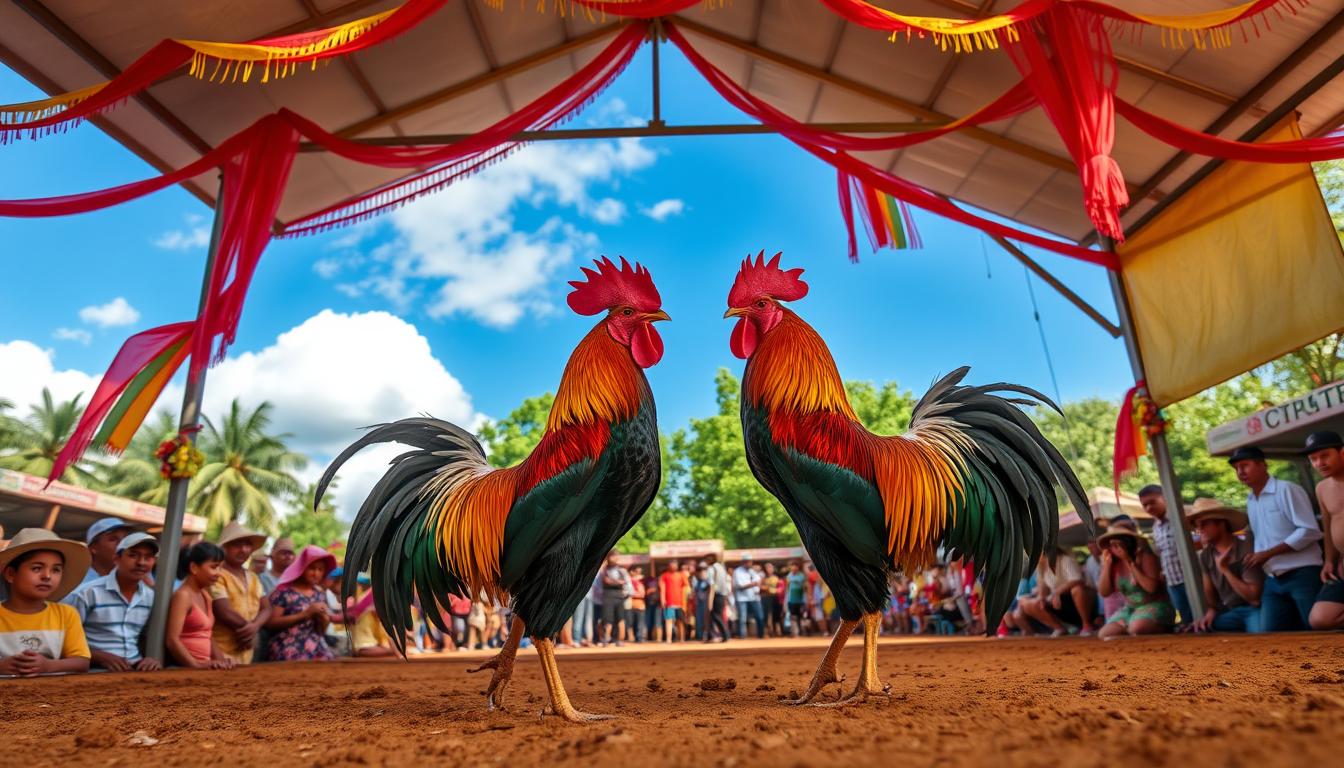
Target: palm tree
{"points": [[245, 468], [36, 441], [136, 474]]}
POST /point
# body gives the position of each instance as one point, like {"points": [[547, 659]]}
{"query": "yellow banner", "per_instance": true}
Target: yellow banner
{"points": [[1243, 269]]}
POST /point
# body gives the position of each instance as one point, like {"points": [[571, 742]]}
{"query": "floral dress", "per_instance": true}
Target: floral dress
{"points": [[302, 641], [1142, 605]]}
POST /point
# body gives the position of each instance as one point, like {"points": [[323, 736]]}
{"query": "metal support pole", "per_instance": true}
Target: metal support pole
{"points": [[1171, 485], [170, 541], [656, 32]]}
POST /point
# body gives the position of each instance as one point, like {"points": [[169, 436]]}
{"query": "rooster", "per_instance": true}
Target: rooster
{"points": [[972, 476], [442, 521]]}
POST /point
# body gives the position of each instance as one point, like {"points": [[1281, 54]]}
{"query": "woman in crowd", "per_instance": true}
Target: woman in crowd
{"points": [[189, 638], [1130, 567], [299, 609], [38, 634]]}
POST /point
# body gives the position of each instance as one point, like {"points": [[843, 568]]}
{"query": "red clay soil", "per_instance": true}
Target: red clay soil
{"points": [[1252, 701]]}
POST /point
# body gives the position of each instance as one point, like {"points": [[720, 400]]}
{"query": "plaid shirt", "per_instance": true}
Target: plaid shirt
{"points": [[112, 624], [1166, 550]]}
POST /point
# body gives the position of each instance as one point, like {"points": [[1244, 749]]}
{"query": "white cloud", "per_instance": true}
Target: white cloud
{"points": [[115, 312], [464, 245], [28, 368], [195, 235], [73, 334], [333, 375], [664, 209]]}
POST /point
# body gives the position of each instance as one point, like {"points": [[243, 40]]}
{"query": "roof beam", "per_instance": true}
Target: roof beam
{"points": [[352, 67], [489, 77], [488, 50], [1244, 104], [1058, 285], [950, 68], [935, 118]]}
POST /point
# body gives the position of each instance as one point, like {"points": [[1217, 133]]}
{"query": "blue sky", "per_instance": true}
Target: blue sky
{"points": [[478, 277]]}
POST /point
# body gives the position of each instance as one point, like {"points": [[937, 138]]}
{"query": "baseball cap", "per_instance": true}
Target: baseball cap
{"points": [[139, 537], [103, 526], [1319, 441], [1245, 452]]}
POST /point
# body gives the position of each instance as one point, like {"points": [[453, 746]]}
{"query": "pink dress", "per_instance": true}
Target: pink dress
{"points": [[196, 631]]}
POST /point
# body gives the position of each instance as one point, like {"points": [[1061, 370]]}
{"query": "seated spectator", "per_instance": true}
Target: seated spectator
{"points": [[1231, 588], [282, 556], [1062, 596], [338, 639], [370, 640], [1326, 452], [299, 617], [38, 634], [1016, 617], [103, 538], [189, 636], [114, 609], [1129, 566], [241, 608]]}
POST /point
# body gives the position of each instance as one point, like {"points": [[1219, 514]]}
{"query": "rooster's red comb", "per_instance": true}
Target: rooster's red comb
{"points": [[611, 286], [762, 279]]}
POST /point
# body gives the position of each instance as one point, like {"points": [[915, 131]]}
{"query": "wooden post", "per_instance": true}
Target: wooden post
{"points": [[51, 517]]}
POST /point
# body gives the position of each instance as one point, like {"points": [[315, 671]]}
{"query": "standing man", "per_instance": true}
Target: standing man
{"points": [[1164, 540], [282, 556], [747, 597], [615, 589], [1232, 589], [114, 609], [102, 539], [1285, 542], [241, 609], [796, 596], [672, 586], [719, 589], [1324, 450]]}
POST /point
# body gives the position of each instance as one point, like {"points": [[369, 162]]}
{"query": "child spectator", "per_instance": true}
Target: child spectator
{"points": [[38, 635], [191, 617], [103, 538], [241, 608], [299, 617], [1128, 566], [114, 609], [371, 641]]}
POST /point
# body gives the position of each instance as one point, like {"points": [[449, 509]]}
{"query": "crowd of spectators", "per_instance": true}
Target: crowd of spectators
{"points": [[70, 607]]}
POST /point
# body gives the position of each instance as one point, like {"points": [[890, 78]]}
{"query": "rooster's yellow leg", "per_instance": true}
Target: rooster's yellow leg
{"points": [[502, 663], [869, 684], [825, 674], [560, 705]]}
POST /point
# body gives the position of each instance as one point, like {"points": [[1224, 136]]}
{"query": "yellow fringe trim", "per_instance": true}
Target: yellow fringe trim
{"points": [[237, 61], [43, 108]]}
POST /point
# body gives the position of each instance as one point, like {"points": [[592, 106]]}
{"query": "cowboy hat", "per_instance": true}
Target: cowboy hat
{"points": [[1212, 508], [1116, 531], [235, 531], [76, 556]]}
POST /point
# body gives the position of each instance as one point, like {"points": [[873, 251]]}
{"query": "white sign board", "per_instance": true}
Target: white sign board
{"points": [[1321, 404]]}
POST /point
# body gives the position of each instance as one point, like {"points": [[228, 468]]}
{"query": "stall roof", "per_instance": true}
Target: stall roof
{"points": [[471, 64], [27, 502], [1281, 430]]}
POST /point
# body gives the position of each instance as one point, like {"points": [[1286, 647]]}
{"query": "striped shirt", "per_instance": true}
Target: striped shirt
{"points": [[1166, 552], [111, 623]]}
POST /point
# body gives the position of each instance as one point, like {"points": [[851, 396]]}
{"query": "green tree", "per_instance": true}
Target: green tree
{"points": [[1312, 366], [511, 439], [1085, 436], [245, 468], [32, 444], [135, 475], [306, 525], [1330, 177], [885, 410]]}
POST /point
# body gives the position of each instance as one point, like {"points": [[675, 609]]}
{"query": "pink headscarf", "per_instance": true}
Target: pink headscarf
{"points": [[307, 557]]}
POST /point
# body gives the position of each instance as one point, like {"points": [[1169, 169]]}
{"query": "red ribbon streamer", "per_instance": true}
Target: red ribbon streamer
{"points": [[1125, 453]]}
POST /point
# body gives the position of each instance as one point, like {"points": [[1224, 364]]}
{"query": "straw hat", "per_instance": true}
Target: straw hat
{"points": [[76, 556], [1212, 508], [1118, 531], [235, 531]]}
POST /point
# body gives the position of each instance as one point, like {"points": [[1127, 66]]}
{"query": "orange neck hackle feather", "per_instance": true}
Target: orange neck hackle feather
{"points": [[601, 386], [794, 379]]}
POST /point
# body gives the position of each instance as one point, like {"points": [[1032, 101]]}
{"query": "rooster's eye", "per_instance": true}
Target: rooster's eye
{"points": [[628, 312], [760, 304]]}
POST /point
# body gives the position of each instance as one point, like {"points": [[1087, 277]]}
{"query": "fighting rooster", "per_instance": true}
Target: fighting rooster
{"points": [[442, 521], [972, 475]]}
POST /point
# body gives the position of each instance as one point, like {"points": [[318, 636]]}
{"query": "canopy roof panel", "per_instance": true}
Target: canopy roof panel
{"points": [[469, 65]]}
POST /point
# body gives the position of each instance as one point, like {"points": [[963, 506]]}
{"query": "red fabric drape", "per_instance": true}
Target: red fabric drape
{"points": [[134, 355], [815, 142], [1297, 151], [1126, 452], [168, 55], [1065, 57]]}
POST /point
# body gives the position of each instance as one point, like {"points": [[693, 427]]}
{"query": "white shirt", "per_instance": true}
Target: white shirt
{"points": [[1282, 514], [743, 589], [718, 576]]}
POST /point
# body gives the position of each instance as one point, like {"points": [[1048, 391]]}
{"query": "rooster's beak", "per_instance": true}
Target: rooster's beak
{"points": [[734, 312], [654, 317]]}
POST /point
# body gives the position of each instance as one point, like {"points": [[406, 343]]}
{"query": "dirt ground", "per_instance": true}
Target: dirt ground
{"points": [[1262, 701]]}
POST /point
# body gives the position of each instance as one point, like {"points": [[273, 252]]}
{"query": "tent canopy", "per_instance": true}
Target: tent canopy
{"points": [[470, 65]]}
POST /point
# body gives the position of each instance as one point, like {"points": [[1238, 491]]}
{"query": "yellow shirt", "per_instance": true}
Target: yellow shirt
{"points": [[245, 598], [369, 631], [54, 632]]}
